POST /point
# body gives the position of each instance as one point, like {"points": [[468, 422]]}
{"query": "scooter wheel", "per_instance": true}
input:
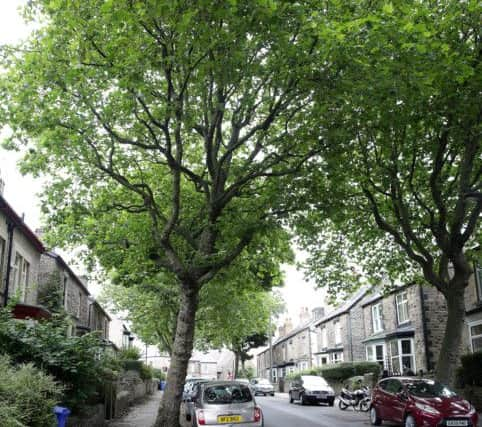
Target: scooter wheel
{"points": [[342, 405]]}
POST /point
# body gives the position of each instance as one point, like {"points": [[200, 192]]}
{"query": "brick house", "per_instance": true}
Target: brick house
{"points": [[339, 333], [56, 279], [20, 253]]}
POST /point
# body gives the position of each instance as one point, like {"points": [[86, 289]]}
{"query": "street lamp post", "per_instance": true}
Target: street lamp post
{"points": [[270, 333]]}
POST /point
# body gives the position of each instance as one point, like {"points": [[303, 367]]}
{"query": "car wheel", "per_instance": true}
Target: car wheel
{"points": [[272, 394], [303, 400], [291, 398], [410, 421], [331, 402], [374, 418]]}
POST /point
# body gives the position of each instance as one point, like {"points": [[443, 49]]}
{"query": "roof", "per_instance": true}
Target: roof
{"points": [[20, 224], [64, 265], [379, 294], [345, 307], [94, 302], [294, 332]]}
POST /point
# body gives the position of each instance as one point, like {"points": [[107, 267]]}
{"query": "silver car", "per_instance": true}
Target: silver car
{"points": [[262, 386], [224, 403]]}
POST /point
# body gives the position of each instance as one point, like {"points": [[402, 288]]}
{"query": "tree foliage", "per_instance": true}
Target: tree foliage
{"points": [[406, 116], [186, 118]]}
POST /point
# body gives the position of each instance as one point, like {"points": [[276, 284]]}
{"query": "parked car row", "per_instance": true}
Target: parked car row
{"points": [[221, 403]]}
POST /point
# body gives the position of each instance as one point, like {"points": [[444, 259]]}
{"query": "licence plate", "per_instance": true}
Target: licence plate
{"points": [[229, 419], [456, 423]]}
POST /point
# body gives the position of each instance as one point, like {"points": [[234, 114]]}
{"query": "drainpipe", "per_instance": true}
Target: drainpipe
{"points": [[10, 230], [350, 335], [424, 323]]}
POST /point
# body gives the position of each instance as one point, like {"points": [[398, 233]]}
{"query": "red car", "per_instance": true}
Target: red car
{"points": [[416, 402]]}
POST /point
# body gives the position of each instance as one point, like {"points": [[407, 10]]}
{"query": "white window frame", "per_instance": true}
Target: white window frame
{"points": [[338, 339], [471, 337], [275, 375], [79, 307], [377, 317], [336, 357], [373, 348], [323, 338], [401, 355], [478, 280], [3, 247], [401, 299]]}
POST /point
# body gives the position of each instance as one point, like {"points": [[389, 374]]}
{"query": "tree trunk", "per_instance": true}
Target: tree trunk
{"points": [[168, 415], [236, 365], [449, 356]]}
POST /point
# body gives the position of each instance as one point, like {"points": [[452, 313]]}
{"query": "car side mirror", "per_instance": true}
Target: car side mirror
{"points": [[401, 395]]}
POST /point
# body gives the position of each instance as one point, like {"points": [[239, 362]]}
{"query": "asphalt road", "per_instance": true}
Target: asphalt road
{"points": [[278, 412]]}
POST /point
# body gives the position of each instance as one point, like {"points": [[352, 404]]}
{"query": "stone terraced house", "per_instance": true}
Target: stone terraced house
{"points": [[20, 253], [401, 329]]}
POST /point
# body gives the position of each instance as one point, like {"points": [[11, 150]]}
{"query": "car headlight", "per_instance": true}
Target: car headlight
{"points": [[426, 408]]}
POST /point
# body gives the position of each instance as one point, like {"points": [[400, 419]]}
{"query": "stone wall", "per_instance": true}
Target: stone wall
{"points": [[93, 417]]}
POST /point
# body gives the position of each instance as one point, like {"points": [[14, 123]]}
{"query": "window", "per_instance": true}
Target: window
{"points": [[402, 307], [79, 308], [402, 356], [303, 366], [65, 293], [475, 333], [337, 357], [323, 339], [393, 386], [377, 318], [20, 276], [478, 280], [275, 376], [376, 353], [337, 332], [2, 263]]}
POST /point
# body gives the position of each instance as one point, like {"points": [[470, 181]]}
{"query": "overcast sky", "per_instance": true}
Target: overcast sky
{"points": [[21, 191]]}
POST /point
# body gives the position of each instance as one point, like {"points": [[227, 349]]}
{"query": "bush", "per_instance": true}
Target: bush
{"points": [[339, 372], [78, 362], [27, 395], [343, 371], [159, 374], [145, 372], [132, 365], [131, 353], [470, 373]]}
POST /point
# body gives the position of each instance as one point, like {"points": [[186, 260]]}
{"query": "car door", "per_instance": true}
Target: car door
{"points": [[295, 392], [394, 404]]}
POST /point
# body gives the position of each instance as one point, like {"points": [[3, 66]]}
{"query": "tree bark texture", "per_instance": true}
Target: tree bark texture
{"points": [[449, 359], [168, 415]]}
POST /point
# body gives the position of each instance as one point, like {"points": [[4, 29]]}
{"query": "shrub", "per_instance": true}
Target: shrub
{"points": [[145, 372], [132, 365], [343, 371], [470, 373], [159, 374], [27, 395], [78, 362], [339, 372], [131, 353]]}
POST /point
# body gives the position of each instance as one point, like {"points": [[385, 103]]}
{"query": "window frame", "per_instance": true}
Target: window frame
{"points": [[337, 334], [3, 247], [478, 281], [324, 338], [373, 347], [401, 355], [377, 320], [471, 337], [401, 302], [334, 359]]}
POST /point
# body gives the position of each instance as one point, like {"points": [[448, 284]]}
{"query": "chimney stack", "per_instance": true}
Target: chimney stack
{"points": [[318, 313], [304, 315]]}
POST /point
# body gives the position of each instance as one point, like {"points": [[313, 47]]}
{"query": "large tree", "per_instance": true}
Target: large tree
{"points": [[188, 115], [407, 116]]}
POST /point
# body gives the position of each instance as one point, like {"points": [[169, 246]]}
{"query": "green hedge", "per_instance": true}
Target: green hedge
{"points": [[341, 371], [470, 373]]}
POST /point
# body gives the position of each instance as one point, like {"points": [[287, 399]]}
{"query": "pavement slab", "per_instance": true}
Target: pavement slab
{"points": [[143, 414]]}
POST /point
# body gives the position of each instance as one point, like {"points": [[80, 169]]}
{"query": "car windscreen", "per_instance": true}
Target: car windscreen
{"points": [[314, 382], [428, 389], [264, 382], [226, 393]]}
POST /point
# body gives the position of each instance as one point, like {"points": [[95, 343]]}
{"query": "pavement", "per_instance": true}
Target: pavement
{"points": [[143, 414]]}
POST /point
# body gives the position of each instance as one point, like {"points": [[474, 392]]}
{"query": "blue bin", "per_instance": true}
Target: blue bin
{"points": [[162, 385], [62, 414]]}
